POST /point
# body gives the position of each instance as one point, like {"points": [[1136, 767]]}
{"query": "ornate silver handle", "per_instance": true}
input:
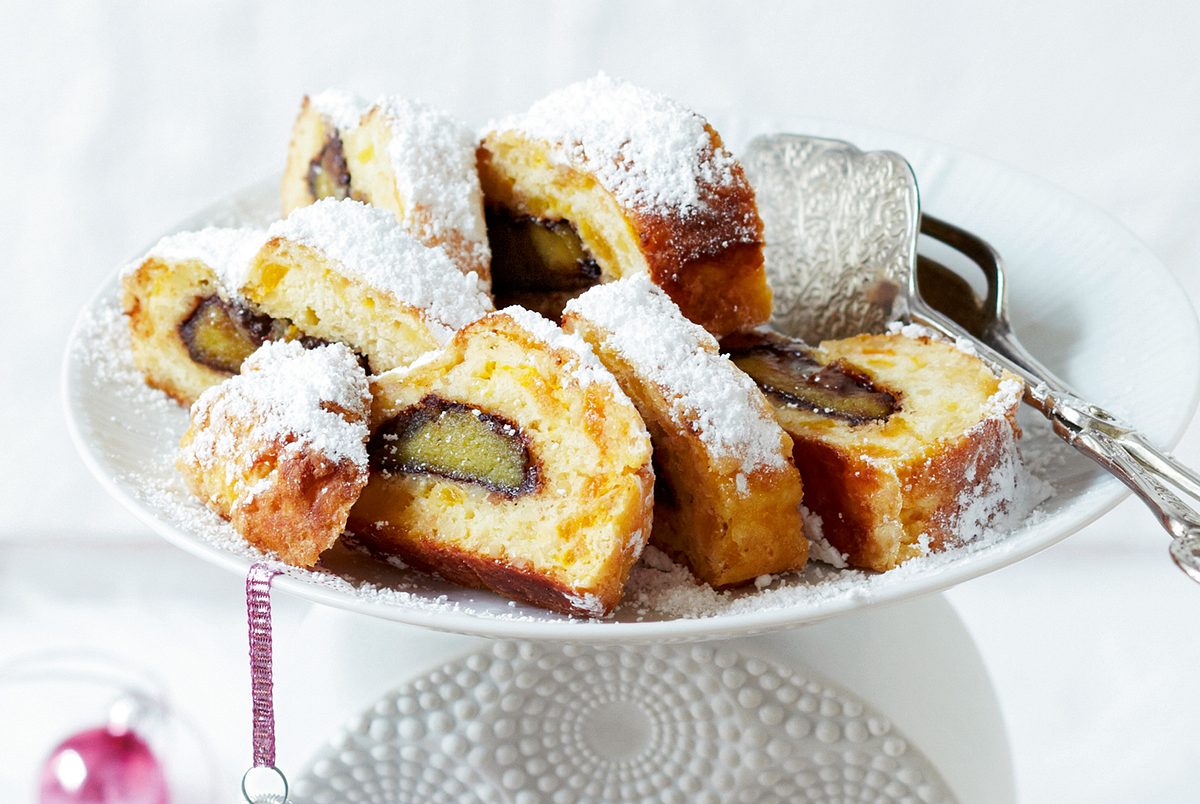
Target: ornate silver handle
{"points": [[1160, 481]]}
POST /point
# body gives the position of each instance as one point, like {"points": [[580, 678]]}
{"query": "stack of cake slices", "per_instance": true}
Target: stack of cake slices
{"points": [[515, 359]]}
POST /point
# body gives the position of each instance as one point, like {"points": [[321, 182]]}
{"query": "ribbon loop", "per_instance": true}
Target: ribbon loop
{"points": [[258, 617]]}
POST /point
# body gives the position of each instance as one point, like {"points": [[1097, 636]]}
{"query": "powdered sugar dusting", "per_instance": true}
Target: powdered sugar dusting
{"points": [[962, 343], [228, 252], [342, 109], [1009, 493], [284, 393], [1005, 398], [587, 368], [658, 590], [586, 602], [987, 500], [369, 244], [647, 150], [433, 156], [914, 331], [707, 393], [819, 547]]}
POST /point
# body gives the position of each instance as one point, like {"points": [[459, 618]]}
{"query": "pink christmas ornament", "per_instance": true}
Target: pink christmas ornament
{"points": [[103, 766]]}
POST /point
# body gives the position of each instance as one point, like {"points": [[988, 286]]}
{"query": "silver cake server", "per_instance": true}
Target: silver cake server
{"points": [[841, 231]]}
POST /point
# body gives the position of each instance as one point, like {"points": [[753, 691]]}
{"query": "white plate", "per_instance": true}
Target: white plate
{"points": [[1090, 300]]}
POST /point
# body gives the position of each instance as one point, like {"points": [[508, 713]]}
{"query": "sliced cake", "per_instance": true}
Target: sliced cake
{"points": [[727, 497], [906, 443], [510, 460], [602, 180]]}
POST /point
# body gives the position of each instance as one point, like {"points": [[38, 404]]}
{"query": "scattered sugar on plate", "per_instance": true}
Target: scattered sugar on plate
{"points": [[819, 548]]}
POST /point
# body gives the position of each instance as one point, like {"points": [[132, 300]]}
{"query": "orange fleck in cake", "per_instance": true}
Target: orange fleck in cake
{"points": [[280, 449], [510, 460], [602, 180], [906, 443], [398, 154], [727, 497], [347, 272]]}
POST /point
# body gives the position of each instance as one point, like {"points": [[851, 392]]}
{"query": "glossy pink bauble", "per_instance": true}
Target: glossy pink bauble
{"points": [[100, 766]]}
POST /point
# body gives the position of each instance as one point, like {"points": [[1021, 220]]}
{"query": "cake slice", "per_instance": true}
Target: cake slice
{"points": [[727, 497], [280, 450], [347, 272], [510, 460], [602, 180], [316, 160], [419, 163], [398, 154], [906, 443]]}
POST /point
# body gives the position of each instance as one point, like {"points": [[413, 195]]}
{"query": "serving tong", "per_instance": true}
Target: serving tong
{"points": [[841, 231]]}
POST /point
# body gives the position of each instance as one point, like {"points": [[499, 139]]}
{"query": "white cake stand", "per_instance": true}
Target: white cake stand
{"points": [[890, 704], [875, 692]]}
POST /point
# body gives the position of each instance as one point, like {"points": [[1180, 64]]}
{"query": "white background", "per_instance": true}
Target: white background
{"points": [[120, 119]]}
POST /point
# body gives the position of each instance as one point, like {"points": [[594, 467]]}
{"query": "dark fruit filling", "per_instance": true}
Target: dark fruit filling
{"points": [[533, 254], [787, 370], [221, 334], [453, 440], [328, 175]]}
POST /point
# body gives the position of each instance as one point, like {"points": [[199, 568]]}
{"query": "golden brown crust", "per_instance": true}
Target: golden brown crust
{"points": [[881, 506], [724, 536], [875, 515], [721, 293], [710, 262], [303, 513], [859, 504], [298, 514], [282, 464], [935, 498], [523, 583]]}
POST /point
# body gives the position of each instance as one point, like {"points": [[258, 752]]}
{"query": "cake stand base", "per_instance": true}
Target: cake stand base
{"points": [[891, 704]]}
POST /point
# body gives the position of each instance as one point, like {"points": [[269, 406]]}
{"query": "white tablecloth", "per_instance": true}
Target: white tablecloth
{"points": [[119, 121]]}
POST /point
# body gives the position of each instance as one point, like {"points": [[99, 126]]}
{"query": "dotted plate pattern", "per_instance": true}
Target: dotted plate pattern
{"points": [[840, 227], [526, 723]]}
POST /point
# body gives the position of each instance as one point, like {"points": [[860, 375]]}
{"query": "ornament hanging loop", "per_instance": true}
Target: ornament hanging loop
{"points": [[260, 771]]}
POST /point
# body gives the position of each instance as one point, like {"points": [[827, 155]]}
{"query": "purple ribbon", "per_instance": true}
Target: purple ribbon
{"points": [[258, 615]]}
